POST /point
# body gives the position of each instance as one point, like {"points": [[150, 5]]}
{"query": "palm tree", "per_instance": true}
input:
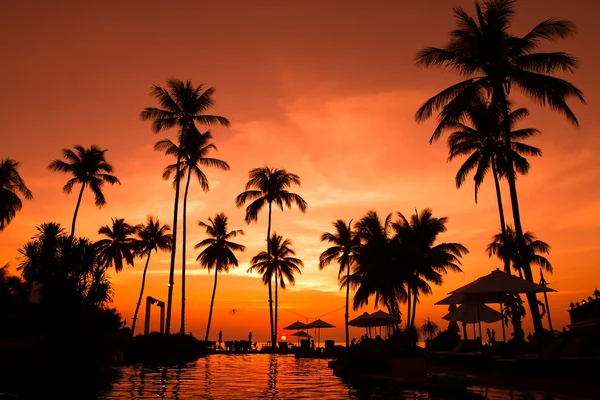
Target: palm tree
{"points": [[152, 236], [429, 328], [182, 105], [218, 252], [11, 185], [483, 145], [278, 263], [266, 186], [193, 152], [427, 261], [491, 59], [377, 271], [506, 250], [119, 246], [345, 243], [90, 169]]}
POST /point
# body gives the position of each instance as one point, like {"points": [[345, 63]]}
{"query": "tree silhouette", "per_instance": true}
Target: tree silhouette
{"points": [[11, 185], [88, 168], [218, 253], [429, 328], [182, 105], [151, 236], [345, 242], [119, 245], [193, 155], [492, 61], [266, 186]]}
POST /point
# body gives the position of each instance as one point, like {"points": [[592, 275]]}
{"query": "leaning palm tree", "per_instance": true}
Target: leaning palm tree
{"points": [[119, 245], [266, 186], [151, 236], [426, 261], [194, 151], [279, 263], [11, 185], [90, 169], [429, 328], [182, 105], [492, 61], [218, 252], [482, 144], [345, 243], [505, 248]]}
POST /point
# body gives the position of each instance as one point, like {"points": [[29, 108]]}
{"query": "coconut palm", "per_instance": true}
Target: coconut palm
{"points": [[506, 250], [218, 253], [345, 243], [119, 245], [266, 186], [151, 236], [427, 261], [194, 151], [429, 328], [90, 169], [278, 264], [377, 272], [482, 144], [492, 61], [181, 105], [11, 185]]}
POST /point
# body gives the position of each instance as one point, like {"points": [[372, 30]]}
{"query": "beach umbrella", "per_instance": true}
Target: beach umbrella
{"points": [[318, 324], [296, 326], [473, 313], [301, 334], [358, 321], [377, 319]]}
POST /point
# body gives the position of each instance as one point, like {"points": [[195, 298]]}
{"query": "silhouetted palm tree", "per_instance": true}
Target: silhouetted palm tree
{"points": [[345, 243], [506, 250], [193, 153], [483, 145], [429, 328], [151, 236], [11, 185], [90, 169], [427, 261], [182, 105], [266, 186], [278, 263], [218, 252], [378, 272], [119, 245], [492, 60]]}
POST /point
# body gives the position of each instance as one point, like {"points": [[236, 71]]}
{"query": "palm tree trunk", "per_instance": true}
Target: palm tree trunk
{"points": [[414, 310], [347, 303], [76, 210], [276, 303], [501, 211], [174, 248], [137, 307], [273, 339], [408, 306], [212, 302], [185, 194], [510, 175]]}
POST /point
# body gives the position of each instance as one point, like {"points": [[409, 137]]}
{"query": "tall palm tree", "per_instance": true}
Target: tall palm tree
{"points": [[492, 60], [151, 236], [483, 145], [345, 243], [181, 105], [429, 328], [218, 252], [11, 185], [377, 272], [279, 263], [194, 151], [427, 261], [119, 245], [90, 169], [266, 186], [506, 250]]}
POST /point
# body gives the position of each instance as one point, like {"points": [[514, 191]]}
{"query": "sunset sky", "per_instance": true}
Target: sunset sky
{"points": [[324, 89]]}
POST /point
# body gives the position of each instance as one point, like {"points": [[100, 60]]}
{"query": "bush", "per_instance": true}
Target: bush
{"points": [[445, 340]]}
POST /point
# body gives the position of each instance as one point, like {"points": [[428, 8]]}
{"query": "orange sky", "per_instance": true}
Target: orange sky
{"points": [[324, 89]]}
